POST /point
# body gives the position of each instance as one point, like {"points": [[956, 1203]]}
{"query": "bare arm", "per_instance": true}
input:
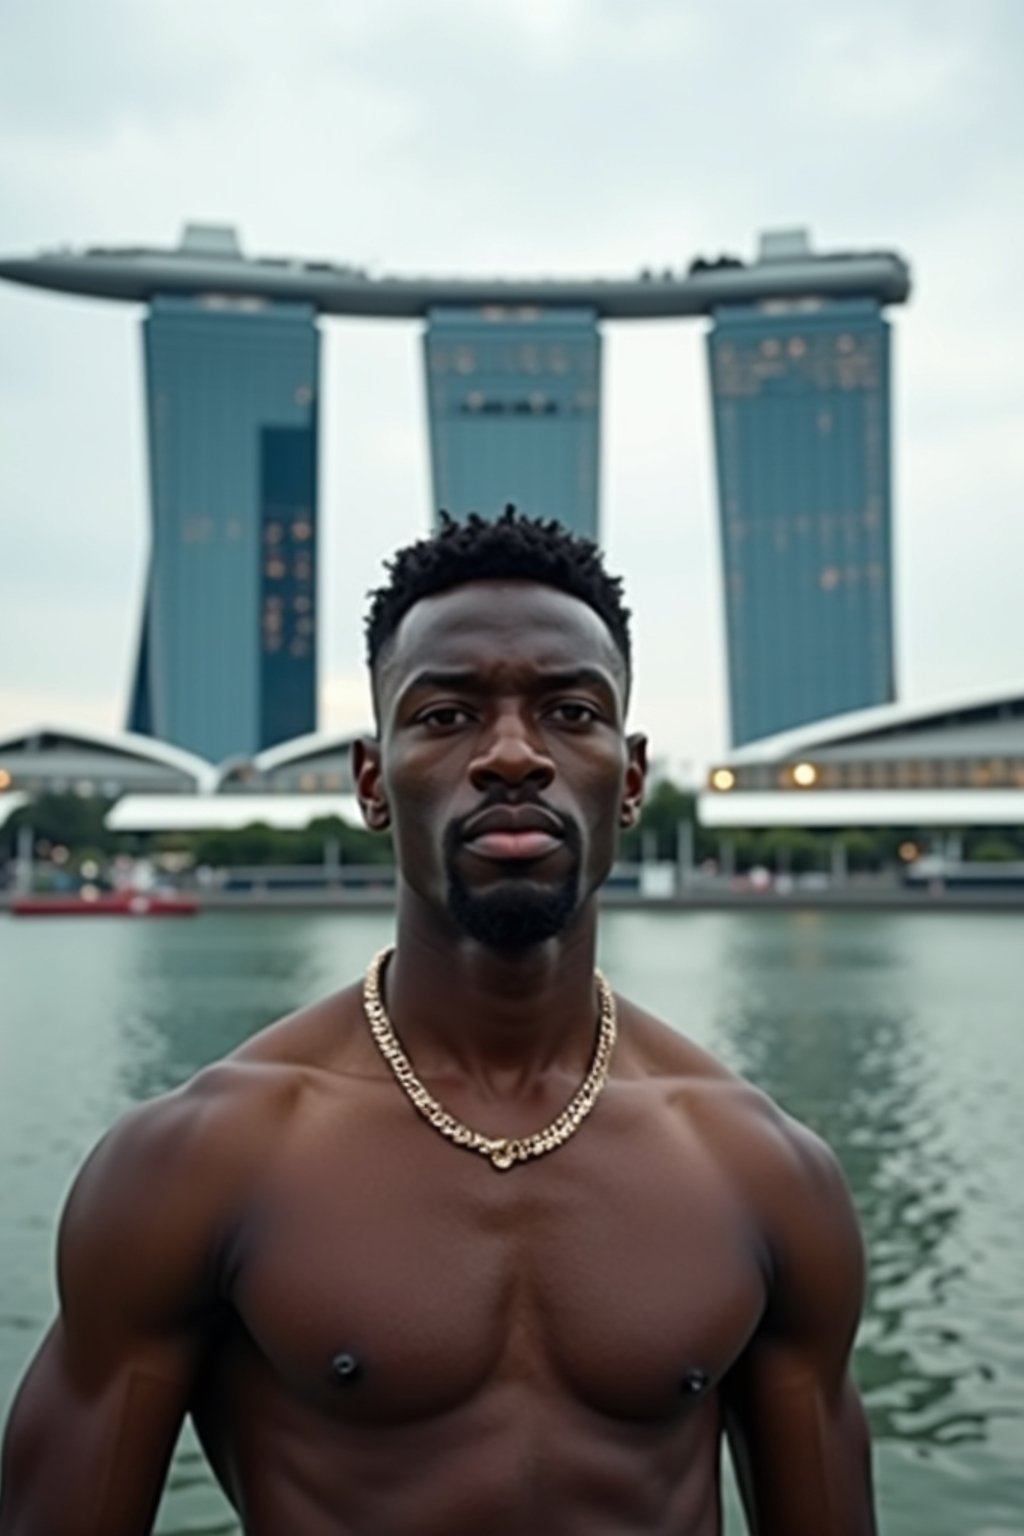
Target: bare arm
{"points": [[96, 1418], [797, 1431]]}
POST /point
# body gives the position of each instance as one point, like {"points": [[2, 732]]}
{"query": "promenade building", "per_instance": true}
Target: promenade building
{"points": [[800, 391], [513, 396]]}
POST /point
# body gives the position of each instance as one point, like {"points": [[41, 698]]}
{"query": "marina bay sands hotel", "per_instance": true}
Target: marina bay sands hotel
{"points": [[798, 352]]}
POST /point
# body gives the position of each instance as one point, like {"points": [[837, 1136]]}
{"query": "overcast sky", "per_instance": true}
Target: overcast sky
{"points": [[574, 136]]}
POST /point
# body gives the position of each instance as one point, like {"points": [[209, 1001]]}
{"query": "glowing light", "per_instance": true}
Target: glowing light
{"points": [[908, 852], [805, 774], [723, 778], [5, 779]]}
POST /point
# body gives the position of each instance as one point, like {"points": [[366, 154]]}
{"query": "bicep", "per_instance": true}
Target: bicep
{"points": [[94, 1423], [89, 1439], [796, 1428], [799, 1445]]}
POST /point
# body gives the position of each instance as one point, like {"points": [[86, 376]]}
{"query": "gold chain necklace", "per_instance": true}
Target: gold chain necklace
{"points": [[501, 1151]]}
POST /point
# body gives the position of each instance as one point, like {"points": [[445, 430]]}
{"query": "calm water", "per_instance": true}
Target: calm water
{"points": [[898, 1037]]}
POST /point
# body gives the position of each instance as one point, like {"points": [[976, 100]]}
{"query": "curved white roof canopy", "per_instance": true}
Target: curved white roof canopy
{"points": [[123, 744], [228, 813], [863, 724]]}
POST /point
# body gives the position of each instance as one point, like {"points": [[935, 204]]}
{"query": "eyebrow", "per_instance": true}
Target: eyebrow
{"points": [[467, 680]]}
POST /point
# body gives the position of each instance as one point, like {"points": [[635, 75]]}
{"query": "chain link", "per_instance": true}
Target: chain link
{"points": [[501, 1152]]}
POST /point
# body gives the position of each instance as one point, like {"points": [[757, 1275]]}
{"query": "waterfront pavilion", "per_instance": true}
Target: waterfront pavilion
{"points": [[943, 768], [286, 787]]}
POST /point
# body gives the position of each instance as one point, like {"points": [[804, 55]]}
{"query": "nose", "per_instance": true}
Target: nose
{"points": [[511, 754]]}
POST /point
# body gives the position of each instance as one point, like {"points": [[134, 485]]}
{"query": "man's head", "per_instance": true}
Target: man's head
{"points": [[500, 661]]}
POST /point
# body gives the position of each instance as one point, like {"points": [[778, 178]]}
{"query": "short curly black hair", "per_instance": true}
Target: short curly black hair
{"points": [[511, 546]]}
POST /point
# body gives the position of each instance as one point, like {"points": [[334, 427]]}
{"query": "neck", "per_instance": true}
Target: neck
{"points": [[487, 1012]]}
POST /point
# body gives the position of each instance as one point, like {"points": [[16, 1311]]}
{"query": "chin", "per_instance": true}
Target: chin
{"points": [[514, 914]]}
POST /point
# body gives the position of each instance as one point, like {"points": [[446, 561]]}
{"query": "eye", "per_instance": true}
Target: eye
{"points": [[443, 717], [574, 712]]}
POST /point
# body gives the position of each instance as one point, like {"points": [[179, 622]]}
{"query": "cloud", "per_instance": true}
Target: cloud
{"points": [[527, 135]]}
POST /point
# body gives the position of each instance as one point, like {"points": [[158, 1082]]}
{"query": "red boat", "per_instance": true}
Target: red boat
{"points": [[93, 903]]}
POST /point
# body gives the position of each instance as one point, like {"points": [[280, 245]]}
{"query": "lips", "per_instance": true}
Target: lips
{"points": [[508, 832]]}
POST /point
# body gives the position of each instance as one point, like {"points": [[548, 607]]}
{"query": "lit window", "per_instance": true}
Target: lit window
{"points": [[475, 400], [465, 360], [302, 530], [308, 782], [805, 774], [770, 347], [723, 779], [830, 578], [275, 569], [5, 779], [303, 395], [272, 533], [797, 346]]}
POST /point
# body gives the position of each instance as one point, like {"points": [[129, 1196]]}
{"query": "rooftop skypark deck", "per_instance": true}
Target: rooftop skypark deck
{"points": [[209, 261]]}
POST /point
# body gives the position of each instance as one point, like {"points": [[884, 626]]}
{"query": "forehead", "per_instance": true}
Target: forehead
{"points": [[507, 622]]}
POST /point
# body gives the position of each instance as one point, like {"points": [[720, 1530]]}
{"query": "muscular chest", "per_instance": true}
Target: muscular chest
{"points": [[403, 1281]]}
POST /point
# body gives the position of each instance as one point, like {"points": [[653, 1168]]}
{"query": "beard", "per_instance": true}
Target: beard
{"points": [[517, 912]]}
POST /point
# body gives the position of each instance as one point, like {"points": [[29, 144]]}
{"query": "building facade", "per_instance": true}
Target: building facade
{"points": [[513, 396], [800, 393], [227, 656]]}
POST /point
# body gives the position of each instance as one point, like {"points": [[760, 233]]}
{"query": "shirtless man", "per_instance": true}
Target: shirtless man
{"points": [[399, 1291]]}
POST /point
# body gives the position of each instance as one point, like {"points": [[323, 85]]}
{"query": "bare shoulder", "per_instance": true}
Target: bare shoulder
{"points": [[787, 1178], [159, 1191], [200, 1145]]}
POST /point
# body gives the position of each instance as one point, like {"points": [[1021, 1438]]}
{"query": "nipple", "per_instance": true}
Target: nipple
{"points": [[346, 1369], [695, 1382]]}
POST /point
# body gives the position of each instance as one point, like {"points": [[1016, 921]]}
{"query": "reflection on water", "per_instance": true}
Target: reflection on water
{"points": [[897, 1038]]}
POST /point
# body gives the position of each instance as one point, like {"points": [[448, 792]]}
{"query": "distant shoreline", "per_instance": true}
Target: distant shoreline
{"points": [[850, 898]]}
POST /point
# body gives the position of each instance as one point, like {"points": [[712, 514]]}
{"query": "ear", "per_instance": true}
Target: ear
{"points": [[369, 785], [636, 778]]}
